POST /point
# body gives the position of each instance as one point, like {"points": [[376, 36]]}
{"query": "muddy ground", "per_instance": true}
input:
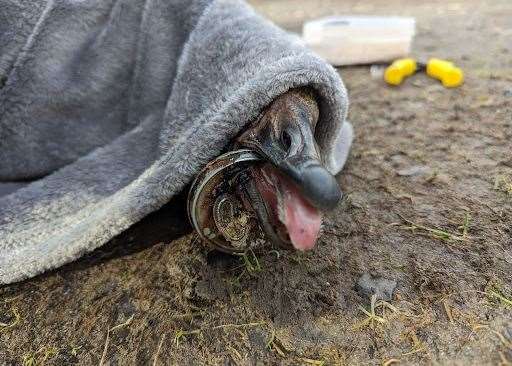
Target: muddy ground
{"points": [[428, 205]]}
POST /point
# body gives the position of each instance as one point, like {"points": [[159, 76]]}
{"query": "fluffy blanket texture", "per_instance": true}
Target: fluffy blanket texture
{"points": [[108, 108]]}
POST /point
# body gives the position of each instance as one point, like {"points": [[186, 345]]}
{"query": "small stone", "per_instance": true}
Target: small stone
{"points": [[414, 171], [383, 288], [257, 339]]}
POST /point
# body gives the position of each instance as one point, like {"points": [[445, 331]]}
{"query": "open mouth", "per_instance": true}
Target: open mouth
{"points": [[286, 215], [239, 202]]}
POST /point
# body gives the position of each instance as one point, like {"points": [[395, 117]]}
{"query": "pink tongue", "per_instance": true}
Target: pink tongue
{"points": [[302, 220]]}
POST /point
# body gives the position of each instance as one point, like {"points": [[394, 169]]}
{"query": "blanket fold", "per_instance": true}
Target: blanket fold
{"points": [[112, 107]]}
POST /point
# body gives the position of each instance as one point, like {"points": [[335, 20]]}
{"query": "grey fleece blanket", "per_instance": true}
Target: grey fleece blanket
{"points": [[110, 107]]}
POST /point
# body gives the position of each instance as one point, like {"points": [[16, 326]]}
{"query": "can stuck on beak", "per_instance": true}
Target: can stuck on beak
{"points": [[216, 206]]}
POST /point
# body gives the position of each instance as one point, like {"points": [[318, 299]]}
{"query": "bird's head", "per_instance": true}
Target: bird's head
{"points": [[275, 180], [291, 189]]}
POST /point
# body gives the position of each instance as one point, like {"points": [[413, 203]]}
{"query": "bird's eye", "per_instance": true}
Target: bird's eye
{"points": [[286, 140]]}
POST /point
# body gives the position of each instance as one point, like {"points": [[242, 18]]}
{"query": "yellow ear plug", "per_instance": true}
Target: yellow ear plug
{"points": [[445, 71], [399, 70]]}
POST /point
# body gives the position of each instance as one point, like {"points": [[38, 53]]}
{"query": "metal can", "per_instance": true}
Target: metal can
{"points": [[216, 206]]}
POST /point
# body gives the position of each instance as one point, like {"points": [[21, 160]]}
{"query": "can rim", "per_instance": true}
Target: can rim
{"points": [[205, 175]]}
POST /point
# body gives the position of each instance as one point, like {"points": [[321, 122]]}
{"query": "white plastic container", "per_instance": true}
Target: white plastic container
{"points": [[352, 40]]}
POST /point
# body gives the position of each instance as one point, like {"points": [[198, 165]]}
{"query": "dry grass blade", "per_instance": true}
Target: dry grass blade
{"points": [[107, 339], [40, 357], [158, 349], [254, 324], [465, 225], [503, 184], [436, 233], [251, 262], [504, 360], [504, 300], [274, 344], [183, 333], [391, 362], [310, 361], [448, 311], [372, 317]]}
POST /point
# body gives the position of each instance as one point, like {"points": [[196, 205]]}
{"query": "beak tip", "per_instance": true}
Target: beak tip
{"points": [[332, 199], [319, 187]]}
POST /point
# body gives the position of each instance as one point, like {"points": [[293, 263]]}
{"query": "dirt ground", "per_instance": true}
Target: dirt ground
{"points": [[428, 198]]}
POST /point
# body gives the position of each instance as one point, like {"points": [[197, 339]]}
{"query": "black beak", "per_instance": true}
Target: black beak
{"points": [[286, 139], [318, 185]]}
